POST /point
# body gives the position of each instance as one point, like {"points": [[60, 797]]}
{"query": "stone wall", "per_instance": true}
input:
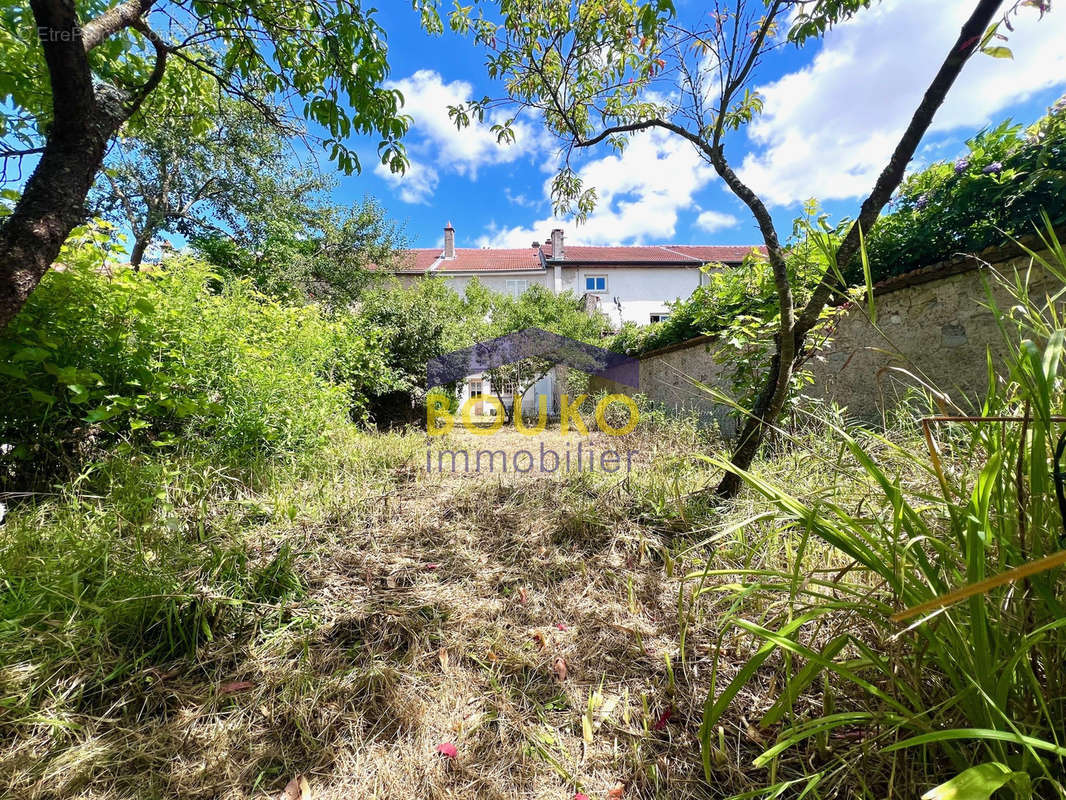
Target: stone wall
{"points": [[678, 378], [933, 326]]}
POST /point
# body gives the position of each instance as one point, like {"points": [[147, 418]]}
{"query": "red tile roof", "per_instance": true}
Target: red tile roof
{"points": [[653, 254], [415, 261], [726, 254], [419, 261], [471, 260]]}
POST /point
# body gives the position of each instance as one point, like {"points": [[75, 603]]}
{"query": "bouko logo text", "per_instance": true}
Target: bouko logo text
{"points": [[548, 350]]}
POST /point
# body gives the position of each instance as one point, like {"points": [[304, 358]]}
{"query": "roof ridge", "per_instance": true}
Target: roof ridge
{"points": [[670, 249]]}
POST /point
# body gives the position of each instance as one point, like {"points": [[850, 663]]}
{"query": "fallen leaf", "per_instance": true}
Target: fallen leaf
{"points": [[754, 735], [296, 789], [523, 595], [561, 626], [538, 637], [580, 796], [560, 669], [491, 656], [617, 792], [431, 567], [448, 750], [442, 654], [664, 718], [234, 686]]}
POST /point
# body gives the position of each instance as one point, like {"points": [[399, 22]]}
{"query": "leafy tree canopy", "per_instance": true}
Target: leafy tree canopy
{"points": [[322, 61], [183, 178], [600, 69], [297, 246]]}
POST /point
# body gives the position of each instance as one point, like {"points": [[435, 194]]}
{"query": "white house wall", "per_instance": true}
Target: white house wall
{"points": [[494, 282], [634, 288], [641, 290]]}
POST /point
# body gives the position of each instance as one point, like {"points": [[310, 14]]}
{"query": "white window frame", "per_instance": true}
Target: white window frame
{"points": [[661, 315], [594, 277], [516, 286]]}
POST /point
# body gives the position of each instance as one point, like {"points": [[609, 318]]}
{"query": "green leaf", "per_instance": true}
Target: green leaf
{"points": [[983, 734], [998, 52], [33, 354], [42, 397], [13, 372], [977, 783], [101, 414], [867, 277]]}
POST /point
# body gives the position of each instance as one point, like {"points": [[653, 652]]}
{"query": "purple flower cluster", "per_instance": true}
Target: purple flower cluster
{"points": [[994, 168], [961, 165], [921, 202]]}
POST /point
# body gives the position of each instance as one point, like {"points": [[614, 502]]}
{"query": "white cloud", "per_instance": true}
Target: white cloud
{"points": [[436, 146], [640, 195], [416, 185], [712, 221], [828, 128]]}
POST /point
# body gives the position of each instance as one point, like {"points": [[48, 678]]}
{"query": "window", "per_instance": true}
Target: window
{"points": [[661, 317], [477, 388], [595, 283], [516, 286]]}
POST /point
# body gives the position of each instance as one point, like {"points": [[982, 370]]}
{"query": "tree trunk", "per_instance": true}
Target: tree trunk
{"points": [[765, 412], [84, 120], [52, 205], [140, 244], [775, 391]]}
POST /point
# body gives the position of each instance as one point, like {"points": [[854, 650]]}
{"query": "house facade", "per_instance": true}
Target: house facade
{"points": [[628, 284]]}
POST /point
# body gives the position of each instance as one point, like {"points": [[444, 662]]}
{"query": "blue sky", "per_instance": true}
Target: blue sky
{"points": [[833, 112]]}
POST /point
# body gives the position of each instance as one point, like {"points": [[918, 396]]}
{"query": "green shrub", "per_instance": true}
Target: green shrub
{"points": [[732, 294], [997, 188], [102, 355]]}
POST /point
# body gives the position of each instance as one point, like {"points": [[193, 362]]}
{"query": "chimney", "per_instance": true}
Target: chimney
{"points": [[557, 245], [449, 241]]}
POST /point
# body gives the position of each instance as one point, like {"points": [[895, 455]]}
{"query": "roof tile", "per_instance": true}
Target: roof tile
{"points": [[418, 261], [491, 260]]}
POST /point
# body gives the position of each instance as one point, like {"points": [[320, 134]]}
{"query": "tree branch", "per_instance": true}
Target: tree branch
{"points": [[967, 42], [161, 52], [124, 15], [29, 151]]}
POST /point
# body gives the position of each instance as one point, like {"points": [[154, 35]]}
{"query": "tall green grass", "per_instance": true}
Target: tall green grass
{"points": [[154, 558], [962, 700]]}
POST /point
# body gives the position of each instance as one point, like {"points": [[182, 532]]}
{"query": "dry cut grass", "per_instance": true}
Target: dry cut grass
{"points": [[535, 622]]}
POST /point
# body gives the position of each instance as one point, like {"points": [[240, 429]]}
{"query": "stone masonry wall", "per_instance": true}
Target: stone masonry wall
{"points": [[933, 325]]}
